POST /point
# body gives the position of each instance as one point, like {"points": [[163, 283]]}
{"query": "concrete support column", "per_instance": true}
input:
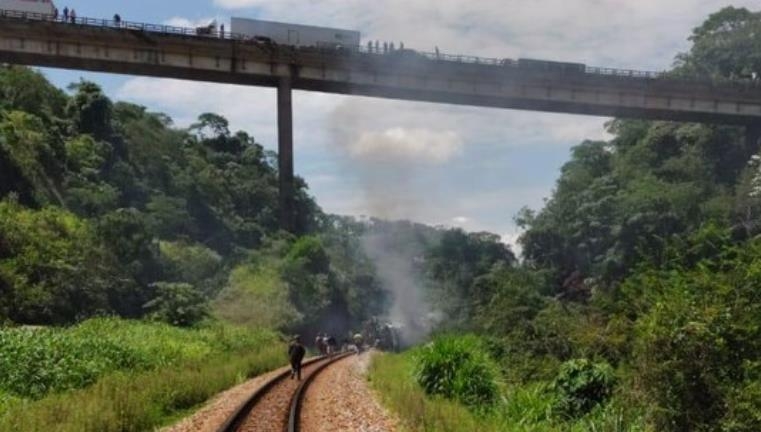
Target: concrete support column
{"points": [[752, 138], [285, 154]]}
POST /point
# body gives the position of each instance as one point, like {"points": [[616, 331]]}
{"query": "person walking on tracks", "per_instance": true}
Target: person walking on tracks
{"points": [[319, 344], [296, 352]]}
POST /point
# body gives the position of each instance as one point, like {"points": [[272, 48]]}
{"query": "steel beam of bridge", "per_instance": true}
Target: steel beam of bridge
{"points": [[102, 46]]}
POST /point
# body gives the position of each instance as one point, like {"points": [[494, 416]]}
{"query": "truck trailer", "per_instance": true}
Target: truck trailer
{"points": [[295, 34], [42, 7]]}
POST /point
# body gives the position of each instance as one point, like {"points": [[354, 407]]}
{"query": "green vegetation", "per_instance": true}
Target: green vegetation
{"points": [[519, 409], [458, 368], [636, 306], [582, 385], [110, 374]]}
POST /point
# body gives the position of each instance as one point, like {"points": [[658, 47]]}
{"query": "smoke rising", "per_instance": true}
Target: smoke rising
{"points": [[386, 154], [404, 144], [410, 310]]}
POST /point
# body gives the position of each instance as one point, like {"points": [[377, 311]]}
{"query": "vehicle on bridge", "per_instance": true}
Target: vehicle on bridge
{"points": [[41, 7], [296, 35], [551, 66], [209, 29]]}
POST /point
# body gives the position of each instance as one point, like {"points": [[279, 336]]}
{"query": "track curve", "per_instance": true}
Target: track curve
{"points": [[275, 406]]}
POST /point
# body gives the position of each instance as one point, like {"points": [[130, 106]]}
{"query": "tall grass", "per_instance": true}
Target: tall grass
{"points": [[525, 408], [392, 377], [129, 401], [118, 375]]}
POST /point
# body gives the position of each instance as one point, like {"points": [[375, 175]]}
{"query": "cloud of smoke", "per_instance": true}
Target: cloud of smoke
{"points": [[395, 266], [386, 156], [404, 144]]}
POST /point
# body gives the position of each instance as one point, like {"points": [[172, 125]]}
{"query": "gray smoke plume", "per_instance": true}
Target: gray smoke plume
{"points": [[385, 155], [395, 260]]}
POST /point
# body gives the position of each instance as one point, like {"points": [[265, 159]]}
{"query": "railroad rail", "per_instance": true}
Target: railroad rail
{"points": [[243, 415]]}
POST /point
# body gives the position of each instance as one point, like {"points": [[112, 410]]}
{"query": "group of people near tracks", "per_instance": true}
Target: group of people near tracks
{"points": [[375, 334], [325, 345]]}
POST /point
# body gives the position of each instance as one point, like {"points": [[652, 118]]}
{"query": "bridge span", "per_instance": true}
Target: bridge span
{"points": [[171, 52]]}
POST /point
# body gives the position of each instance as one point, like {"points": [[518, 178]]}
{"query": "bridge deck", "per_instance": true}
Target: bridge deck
{"points": [[163, 51]]}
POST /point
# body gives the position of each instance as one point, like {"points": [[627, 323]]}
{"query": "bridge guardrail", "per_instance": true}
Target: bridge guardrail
{"points": [[213, 33]]}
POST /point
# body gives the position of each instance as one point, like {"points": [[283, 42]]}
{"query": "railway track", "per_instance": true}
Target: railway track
{"points": [[276, 406]]}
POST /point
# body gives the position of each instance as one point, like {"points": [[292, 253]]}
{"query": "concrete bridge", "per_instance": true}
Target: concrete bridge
{"points": [[172, 52]]}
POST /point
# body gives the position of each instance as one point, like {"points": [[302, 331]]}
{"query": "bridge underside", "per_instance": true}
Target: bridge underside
{"points": [[508, 95], [397, 76]]}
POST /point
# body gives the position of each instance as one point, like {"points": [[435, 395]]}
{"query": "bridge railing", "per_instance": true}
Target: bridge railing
{"points": [[211, 31]]}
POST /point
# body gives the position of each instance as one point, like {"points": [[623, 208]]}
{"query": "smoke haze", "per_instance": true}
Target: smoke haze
{"points": [[386, 156]]}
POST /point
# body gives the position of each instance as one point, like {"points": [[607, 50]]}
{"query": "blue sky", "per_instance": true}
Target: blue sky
{"points": [[438, 164]]}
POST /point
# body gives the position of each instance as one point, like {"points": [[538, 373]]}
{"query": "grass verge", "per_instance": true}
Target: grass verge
{"points": [[118, 375], [124, 401], [525, 408]]}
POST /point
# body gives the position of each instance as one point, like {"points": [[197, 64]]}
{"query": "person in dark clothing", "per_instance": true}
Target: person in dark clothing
{"points": [[66, 13], [117, 20], [332, 345], [296, 352]]}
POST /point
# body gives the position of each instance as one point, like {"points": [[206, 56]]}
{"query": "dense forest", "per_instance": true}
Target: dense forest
{"points": [[636, 304], [108, 209]]}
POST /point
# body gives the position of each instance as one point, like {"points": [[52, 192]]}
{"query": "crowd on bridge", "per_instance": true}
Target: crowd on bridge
{"points": [[70, 16], [385, 48]]}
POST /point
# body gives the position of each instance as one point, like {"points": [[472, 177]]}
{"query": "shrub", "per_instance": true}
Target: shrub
{"points": [[743, 409], [178, 304], [582, 385], [695, 342], [457, 367]]}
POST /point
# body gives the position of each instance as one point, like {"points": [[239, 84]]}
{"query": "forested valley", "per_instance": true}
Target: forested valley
{"points": [[129, 245]]}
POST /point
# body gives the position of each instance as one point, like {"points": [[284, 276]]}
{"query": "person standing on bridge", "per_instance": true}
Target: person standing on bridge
{"points": [[55, 14], [73, 16], [118, 20], [296, 352], [222, 31], [65, 14]]}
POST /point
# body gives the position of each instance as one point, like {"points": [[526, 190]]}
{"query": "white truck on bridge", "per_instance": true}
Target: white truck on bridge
{"points": [[295, 34], [42, 7]]}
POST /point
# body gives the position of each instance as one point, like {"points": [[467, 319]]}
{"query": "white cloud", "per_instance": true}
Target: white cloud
{"points": [[402, 144], [188, 23], [252, 109], [237, 4], [460, 220]]}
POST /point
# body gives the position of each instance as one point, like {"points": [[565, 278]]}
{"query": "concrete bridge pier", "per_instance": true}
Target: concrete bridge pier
{"points": [[752, 138], [285, 154]]}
